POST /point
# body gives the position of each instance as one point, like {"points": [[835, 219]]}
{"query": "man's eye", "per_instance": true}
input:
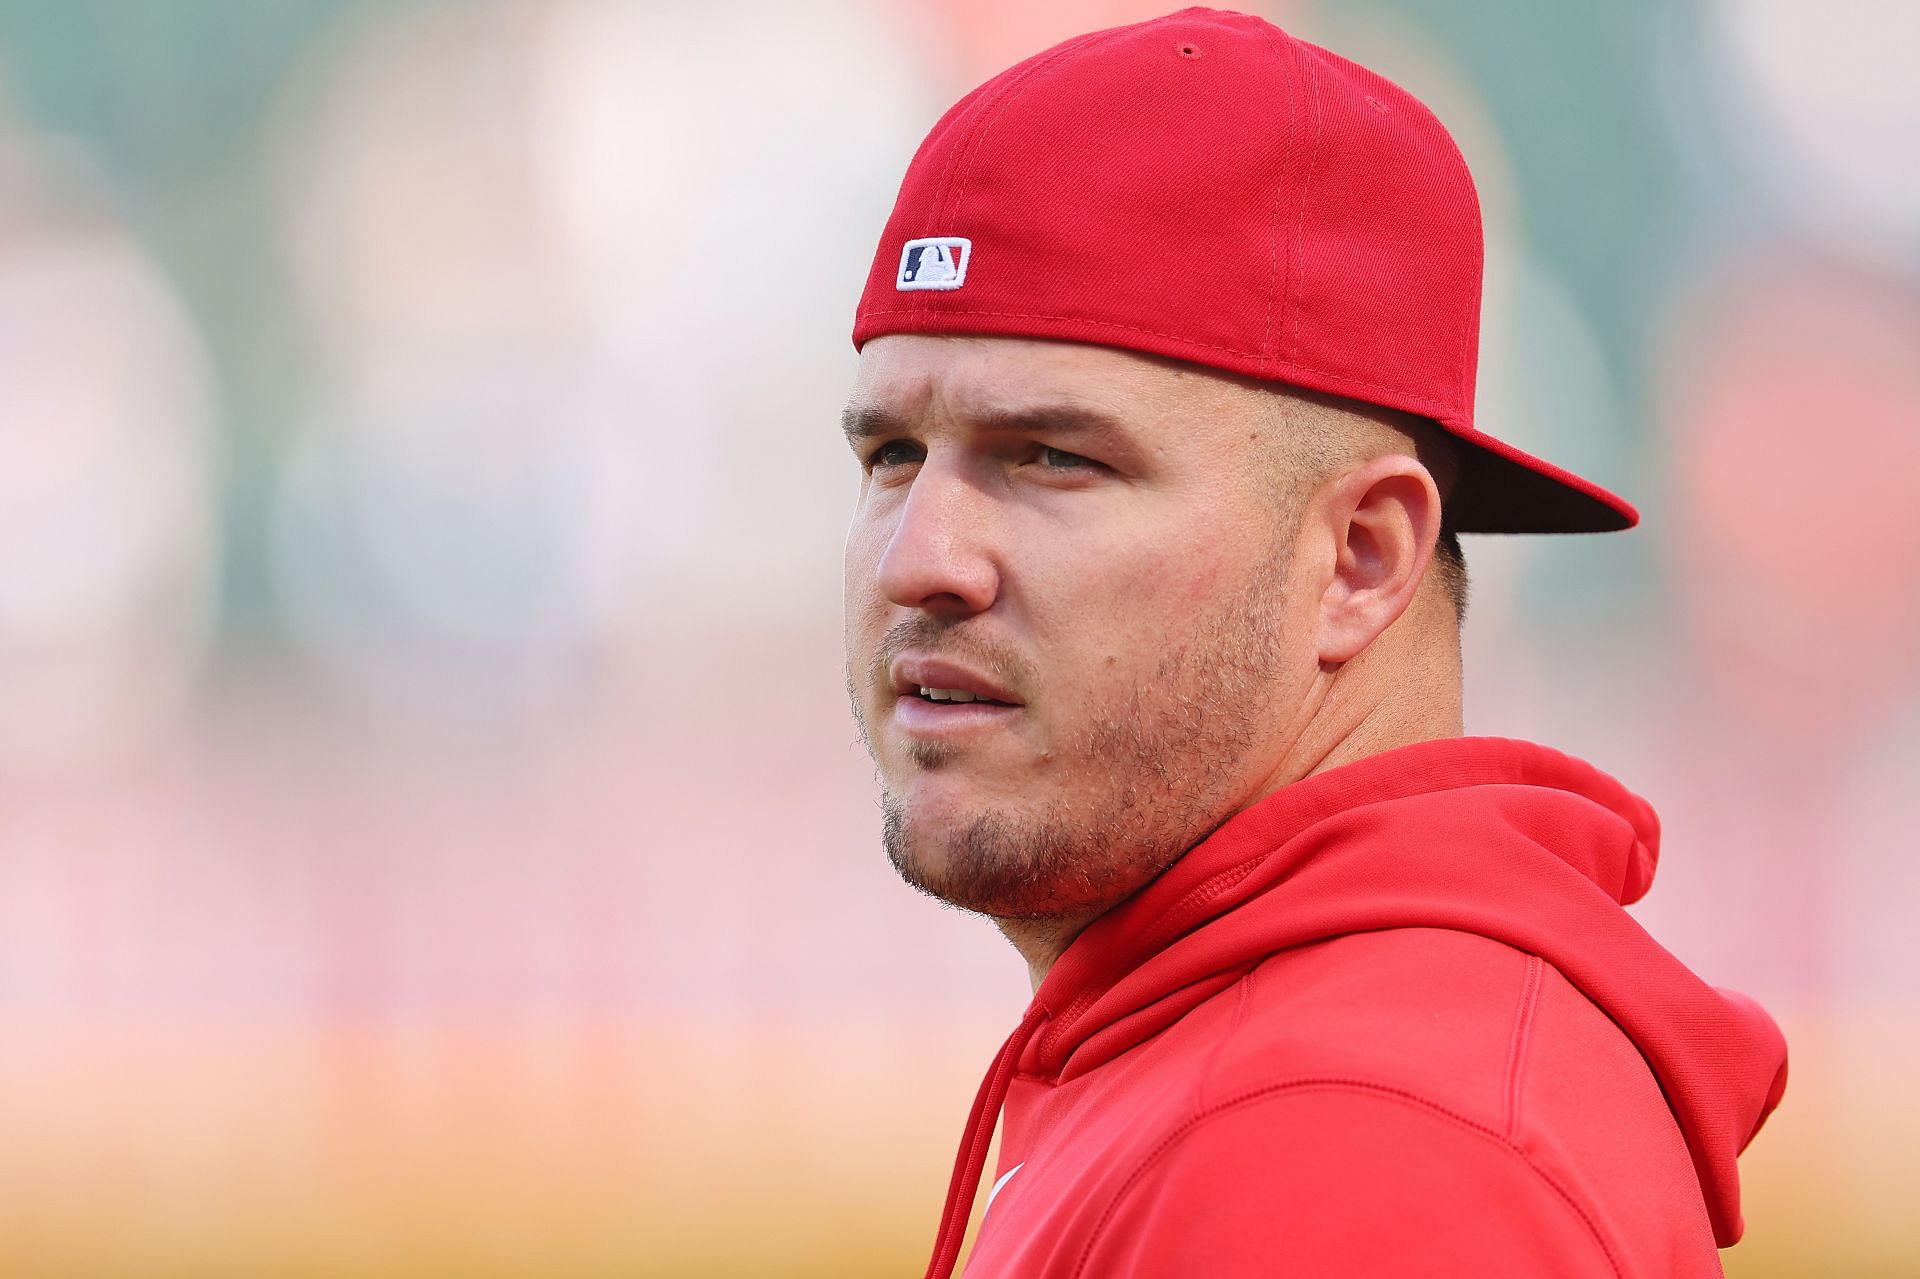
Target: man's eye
{"points": [[896, 453], [1060, 459]]}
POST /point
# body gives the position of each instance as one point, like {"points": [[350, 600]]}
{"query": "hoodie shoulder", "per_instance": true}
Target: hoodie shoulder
{"points": [[1498, 1040], [1366, 1182]]}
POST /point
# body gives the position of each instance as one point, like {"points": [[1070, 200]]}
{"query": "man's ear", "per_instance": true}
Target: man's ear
{"points": [[1382, 519]]}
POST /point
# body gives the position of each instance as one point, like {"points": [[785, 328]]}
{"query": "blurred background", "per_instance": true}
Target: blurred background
{"points": [[432, 837]]}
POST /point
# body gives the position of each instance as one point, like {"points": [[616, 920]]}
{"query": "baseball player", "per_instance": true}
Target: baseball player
{"points": [[1165, 415]]}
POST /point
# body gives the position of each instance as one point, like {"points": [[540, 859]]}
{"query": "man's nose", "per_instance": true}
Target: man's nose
{"points": [[939, 557]]}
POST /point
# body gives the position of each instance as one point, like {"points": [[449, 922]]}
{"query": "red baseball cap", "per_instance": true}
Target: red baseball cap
{"points": [[1205, 186]]}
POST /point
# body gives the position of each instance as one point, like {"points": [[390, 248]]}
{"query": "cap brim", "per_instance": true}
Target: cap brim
{"points": [[1503, 489]]}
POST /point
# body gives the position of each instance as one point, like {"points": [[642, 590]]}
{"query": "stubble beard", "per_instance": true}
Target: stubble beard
{"points": [[1169, 754]]}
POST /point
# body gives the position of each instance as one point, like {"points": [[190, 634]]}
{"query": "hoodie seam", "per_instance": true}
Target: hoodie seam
{"points": [[1363, 1087], [1224, 1040], [1517, 1049]]}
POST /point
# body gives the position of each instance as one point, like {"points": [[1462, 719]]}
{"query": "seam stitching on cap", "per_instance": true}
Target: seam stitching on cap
{"points": [[1438, 409], [1279, 193], [1298, 274], [1468, 359], [943, 200], [963, 136], [958, 128], [1013, 91], [968, 133]]}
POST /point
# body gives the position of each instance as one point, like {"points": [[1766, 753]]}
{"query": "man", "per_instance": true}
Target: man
{"points": [[1153, 603]]}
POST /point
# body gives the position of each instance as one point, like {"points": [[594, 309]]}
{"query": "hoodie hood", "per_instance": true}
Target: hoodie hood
{"points": [[1506, 839]]}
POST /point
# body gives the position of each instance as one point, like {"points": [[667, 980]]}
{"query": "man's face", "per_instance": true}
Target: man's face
{"points": [[1092, 545]]}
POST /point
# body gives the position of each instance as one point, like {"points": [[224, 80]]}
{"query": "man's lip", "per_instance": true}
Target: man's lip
{"points": [[912, 672]]}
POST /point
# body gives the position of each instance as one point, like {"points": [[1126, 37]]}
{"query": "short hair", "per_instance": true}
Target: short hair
{"points": [[1451, 563]]}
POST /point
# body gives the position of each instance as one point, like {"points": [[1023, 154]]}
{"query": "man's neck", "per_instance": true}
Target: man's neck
{"points": [[1042, 941], [1348, 719]]}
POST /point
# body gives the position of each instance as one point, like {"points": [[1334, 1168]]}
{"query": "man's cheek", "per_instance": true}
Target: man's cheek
{"points": [[865, 541]]}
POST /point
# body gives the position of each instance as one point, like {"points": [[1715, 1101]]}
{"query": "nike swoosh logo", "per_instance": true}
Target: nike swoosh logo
{"points": [[1005, 1177]]}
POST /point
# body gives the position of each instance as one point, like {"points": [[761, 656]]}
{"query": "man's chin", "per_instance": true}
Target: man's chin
{"points": [[999, 898], [993, 862]]}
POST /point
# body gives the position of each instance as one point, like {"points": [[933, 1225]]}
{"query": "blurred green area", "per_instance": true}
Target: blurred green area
{"points": [[172, 101]]}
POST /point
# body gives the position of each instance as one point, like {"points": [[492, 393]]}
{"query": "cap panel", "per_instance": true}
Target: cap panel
{"points": [[1390, 245], [927, 187], [1098, 188]]}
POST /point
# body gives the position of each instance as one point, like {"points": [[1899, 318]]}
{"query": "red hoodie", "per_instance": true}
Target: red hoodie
{"points": [[1389, 1020]]}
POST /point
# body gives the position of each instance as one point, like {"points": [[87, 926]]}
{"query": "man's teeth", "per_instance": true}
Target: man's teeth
{"points": [[947, 694]]}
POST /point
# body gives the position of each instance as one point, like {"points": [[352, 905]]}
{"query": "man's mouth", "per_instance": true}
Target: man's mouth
{"points": [[953, 695], [924, 677], [947, 700], [933, 713]]}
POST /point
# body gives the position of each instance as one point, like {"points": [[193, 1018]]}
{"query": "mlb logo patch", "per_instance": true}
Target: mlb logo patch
{"points": [[936, 263]]}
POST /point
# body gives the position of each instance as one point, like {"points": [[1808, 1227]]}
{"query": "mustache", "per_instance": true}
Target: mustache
{"points": [[954, 641]]}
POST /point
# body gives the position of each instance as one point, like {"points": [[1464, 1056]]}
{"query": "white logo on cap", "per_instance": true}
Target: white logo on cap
{"points": [[936, 263]]}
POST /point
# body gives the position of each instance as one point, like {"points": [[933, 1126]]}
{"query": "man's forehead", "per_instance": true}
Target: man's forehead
{"points": [[983, 378]]}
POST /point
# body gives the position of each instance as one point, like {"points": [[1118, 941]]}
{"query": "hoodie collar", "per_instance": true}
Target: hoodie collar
{"points": [[1212, 878]]}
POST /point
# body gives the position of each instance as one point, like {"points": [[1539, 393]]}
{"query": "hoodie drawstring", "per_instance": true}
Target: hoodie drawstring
{"points": [[972, 1157]]}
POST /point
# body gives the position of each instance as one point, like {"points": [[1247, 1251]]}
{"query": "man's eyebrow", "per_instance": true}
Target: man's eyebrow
{"points": [[865, 423], [1059, 420]]}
